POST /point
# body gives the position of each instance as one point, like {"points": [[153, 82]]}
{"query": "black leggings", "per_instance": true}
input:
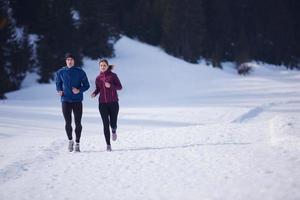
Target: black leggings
{"points": [[109, 114], [67, 109]]}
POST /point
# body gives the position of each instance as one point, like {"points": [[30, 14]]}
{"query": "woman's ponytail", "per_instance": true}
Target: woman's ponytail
{"points": [[111, 67]]}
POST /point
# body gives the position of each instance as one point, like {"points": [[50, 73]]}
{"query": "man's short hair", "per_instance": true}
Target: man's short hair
{"points": [[69, 55]]}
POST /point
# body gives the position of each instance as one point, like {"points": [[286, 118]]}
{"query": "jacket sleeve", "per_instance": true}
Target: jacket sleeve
{"points": [[85, 85], [58, 81], [116, 84], [97, 90]]}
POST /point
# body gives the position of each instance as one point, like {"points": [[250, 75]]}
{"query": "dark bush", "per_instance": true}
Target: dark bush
{"points": [[244, 69]]}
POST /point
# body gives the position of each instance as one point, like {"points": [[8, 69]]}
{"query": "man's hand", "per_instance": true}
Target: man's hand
{"points": [[75, 90], [60, 93]]}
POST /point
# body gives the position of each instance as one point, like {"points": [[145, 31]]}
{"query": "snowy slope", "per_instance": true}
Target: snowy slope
{"points": [[185, 131]]}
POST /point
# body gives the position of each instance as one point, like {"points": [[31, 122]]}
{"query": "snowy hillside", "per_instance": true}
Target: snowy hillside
{"points": [[185, 131]]}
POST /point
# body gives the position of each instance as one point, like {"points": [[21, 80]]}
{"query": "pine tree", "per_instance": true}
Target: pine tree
{"points": [[58, 36], [143, 20], [281, 33], [294, 6], [244, 30], [15, 52], [184, 29], [97, 28], [4, 81], [219, 38]]}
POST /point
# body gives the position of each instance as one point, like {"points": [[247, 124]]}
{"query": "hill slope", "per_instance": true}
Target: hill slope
{"points": [[185, 132]]}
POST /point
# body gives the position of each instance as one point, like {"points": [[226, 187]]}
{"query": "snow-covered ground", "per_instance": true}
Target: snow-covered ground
{"points": [[185, 131]]}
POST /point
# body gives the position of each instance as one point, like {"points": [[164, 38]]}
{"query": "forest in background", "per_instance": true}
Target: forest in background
{"points": [[35, 34]]}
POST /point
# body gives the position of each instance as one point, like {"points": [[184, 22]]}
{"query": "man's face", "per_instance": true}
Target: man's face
{"points": [[70, 62]]}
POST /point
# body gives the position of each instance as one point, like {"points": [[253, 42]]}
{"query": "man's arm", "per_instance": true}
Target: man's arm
{"points": [[85, 85], [58, 82]]}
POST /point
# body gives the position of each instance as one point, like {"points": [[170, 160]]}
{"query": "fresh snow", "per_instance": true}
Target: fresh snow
{"points": [[185, 131]]}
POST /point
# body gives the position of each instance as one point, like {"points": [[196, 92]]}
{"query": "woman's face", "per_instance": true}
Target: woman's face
{"points": [[103, 66]]}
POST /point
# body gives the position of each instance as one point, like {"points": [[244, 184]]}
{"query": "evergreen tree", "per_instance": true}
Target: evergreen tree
{"points": [[4, 34], [219, 38], [15, 52], [184, 29], [143, 20], [242, 12], [294, 6], [58, 37], [97, 28], [281, 33], [27, 14]]}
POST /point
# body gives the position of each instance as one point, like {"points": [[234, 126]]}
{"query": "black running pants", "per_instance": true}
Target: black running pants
{"points": [[67, 109], [109, 114]]}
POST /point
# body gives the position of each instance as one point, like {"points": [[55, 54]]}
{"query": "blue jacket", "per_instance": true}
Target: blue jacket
{"points": [[67, 78]]}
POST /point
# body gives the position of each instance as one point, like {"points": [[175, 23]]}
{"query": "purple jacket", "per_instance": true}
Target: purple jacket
{"points": [[107, 95]]}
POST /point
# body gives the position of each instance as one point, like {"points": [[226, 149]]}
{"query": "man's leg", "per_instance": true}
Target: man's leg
{"points": [[67, 111], [77, 110]]}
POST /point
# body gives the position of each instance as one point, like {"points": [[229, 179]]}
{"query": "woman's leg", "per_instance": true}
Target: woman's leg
{"points": [[114, 110], [104, 112]]}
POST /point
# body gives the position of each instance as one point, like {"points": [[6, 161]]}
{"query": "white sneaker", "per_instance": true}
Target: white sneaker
{"points": [[114, 136], [71, 145], [77, 148]]}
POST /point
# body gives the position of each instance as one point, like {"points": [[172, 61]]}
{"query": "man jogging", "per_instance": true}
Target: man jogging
{"points": [[71, 82]]}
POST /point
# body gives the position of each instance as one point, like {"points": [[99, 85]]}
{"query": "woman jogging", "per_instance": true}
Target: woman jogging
{"points": [[107, 84]]}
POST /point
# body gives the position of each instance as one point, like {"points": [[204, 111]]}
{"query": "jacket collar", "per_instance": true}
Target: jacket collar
{"points": [[106, 72]]}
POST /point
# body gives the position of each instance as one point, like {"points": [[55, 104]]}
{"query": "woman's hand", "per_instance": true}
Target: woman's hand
{"points": [[93, 95], [107, 84]]}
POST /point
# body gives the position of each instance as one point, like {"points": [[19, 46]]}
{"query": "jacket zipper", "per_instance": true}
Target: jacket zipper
{"points": [[104, 89], [112, 94], [70, 81]]}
